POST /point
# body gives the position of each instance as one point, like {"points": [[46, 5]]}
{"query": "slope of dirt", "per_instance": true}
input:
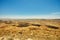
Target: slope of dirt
{"points": [[30, 29]]}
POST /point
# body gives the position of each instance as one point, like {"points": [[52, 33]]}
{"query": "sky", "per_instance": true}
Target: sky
{"points": [[41, 9]]}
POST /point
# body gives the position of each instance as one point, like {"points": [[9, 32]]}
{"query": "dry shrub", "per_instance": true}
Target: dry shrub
{"points": [[50, 26], [14, 25], [23, 25], [36, 25], [33, 28], [7, 22], [1, 21], [20, 32]]}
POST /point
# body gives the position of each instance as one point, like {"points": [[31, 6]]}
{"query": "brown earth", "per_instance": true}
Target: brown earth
{"points": [[30, 29]]}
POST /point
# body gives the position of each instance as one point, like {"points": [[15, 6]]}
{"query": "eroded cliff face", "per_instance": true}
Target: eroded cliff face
{"points": [[30, 30]]}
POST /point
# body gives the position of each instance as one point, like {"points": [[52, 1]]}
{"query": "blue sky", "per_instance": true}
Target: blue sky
{"points": [[29, 9]]}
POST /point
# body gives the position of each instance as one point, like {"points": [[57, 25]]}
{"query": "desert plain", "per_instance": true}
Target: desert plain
{"points": [[30, 29]]}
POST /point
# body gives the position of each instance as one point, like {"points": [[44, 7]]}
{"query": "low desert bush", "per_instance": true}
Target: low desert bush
{"points": [[36, 25], [1, 21], [23, 25], [50, 26], [7, 22]]}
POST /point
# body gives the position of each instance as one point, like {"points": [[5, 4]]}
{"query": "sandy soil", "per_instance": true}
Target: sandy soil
{"points": [[30, 29]]}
